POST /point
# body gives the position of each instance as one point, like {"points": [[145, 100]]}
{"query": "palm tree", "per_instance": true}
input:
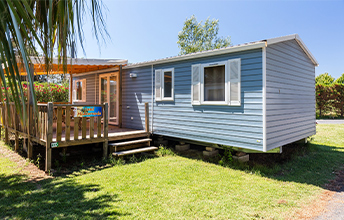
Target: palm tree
{"points": [[48, 26]]}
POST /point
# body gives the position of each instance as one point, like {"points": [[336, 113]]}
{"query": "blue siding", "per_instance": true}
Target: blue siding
{"points": [[224, 125], [135, 92]]}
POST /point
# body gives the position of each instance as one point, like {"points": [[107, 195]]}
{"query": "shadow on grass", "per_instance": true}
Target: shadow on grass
{"points": [[316, 165], [53, 198], [312, 163]]}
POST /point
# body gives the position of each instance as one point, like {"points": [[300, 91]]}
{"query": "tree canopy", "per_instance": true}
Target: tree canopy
{"points": [[340, 80], [324, 79], [196, 36]]}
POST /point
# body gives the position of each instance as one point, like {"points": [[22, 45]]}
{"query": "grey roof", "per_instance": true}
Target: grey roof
{"points": [[230, 49]]}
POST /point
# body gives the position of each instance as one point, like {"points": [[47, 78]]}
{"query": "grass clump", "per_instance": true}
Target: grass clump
{"points": [[227, 158], [115, 161], [164, 151]]}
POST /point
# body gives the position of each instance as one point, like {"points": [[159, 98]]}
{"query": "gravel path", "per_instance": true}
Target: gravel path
{"points": [[335, 207], [330, 121]]}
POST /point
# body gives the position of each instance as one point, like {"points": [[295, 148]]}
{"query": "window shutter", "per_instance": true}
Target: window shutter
{"points": [[234, 81], [158, 77], [196, 84], [84, 90]]}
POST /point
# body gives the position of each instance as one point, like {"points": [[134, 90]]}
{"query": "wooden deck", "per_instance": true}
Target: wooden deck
{"points": [[55, 126]]}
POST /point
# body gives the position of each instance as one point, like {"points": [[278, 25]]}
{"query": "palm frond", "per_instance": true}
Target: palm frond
{"points": [[52, 27]]}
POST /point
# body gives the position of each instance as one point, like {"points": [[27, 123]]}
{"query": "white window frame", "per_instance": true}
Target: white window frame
{"points": [[215, 64], [84, 92], [162, 84], [227, 82]]}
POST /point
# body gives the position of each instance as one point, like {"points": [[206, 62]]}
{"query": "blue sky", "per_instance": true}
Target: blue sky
{"points": [[148, 30]]}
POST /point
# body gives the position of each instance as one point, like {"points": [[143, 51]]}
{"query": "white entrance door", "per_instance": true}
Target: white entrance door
{"points": [[108, 92]]}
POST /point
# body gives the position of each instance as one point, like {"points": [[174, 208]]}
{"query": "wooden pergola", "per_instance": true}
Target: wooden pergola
{"points": [[74, 66]]}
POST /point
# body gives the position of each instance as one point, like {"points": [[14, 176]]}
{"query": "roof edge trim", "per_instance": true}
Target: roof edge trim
{"points": [[242, 47], [299, 41]]}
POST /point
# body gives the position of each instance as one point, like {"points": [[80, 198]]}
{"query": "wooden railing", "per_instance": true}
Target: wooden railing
{"points": [[55, 126]]}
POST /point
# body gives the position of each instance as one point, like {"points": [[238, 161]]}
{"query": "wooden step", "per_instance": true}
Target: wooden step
{"points": [[118, 136], [121, 146], [135, 151], [139, 141]]}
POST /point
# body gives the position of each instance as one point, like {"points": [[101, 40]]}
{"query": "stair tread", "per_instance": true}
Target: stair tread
{"points": [[134, 151], [130, 142]]}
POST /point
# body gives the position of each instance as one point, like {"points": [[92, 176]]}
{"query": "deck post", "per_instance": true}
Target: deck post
{"points": [[29, 142], [49, 137], [71, 88], [2, 109], [106, 130], [147, 116], [16, 128], [5, 115]]}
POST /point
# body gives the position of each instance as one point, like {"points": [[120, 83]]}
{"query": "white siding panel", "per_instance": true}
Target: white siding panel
{"points": [[290, 103]]}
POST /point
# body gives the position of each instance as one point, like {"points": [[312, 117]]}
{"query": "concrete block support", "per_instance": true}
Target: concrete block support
{"points": [[242, 159], [210, 153], [182, 147]]}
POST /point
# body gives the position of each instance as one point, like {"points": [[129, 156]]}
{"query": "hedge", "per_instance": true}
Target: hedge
{"points": [[330, 99], [45, 92]]}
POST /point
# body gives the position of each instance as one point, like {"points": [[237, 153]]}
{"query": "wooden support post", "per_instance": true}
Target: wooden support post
{"points": [[147, 116], [68, 116], [119, 117], [45, 122], [59, 124], [76, 128], [83, 128], [41, 122], [91, 127], [70, 88], [16, 127], [2, 119], [6, 124], [2, 109], [29, 149], [49, 136], [99, 127], [105, 122], [28, 120]]}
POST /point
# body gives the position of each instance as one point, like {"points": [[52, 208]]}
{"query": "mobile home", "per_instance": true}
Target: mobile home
{"points": [[257, 96]]}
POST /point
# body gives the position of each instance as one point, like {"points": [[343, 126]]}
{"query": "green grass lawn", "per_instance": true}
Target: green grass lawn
{"points": [[174, 187]]}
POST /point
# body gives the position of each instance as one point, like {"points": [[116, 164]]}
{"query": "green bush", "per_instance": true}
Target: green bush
{"points": [[322, 98], [45, 92]]}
